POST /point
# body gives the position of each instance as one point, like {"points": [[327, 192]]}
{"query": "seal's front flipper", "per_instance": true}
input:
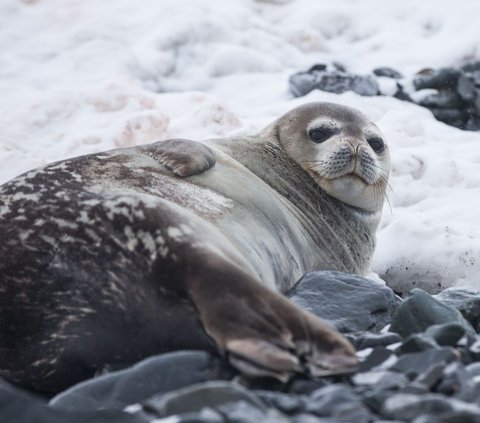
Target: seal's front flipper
{"points": [[262, 332], [182, 157]]}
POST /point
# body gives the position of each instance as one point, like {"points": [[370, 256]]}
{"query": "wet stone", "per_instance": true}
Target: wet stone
{"points": [[155, 375], [364, 340], [388, 72], [416, 343], [466, 301], [409, 406], [288, 404], [376, 358], [193, 398], [348, 302], [416, 363], [326, 400], [420, 311]]}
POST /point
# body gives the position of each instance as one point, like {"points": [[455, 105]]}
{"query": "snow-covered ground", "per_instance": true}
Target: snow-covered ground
{"points": [[81, 76]]}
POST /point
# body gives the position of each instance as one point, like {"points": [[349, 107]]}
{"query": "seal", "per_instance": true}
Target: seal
{"points": [[112, 257]]}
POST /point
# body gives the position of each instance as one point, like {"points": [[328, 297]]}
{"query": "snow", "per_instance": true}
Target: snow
{"points": [[82, 76]]}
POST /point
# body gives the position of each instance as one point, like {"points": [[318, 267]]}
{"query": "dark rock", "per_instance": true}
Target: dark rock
{"points": [[245, 412], [466, 301], [416, 363], [453, 379], [287, 403], [473, 370], [377, 357], [155, 375], [415, 343], [325, 401], [350, 303], [473, 124], [420, 311], [206, 415], [353, 412], [444, 78], [466, 87], [308, 418], [319, 67], [470, 391], [408, 406], [302, 386], [400, 94], [450, 417], [432, 375], [388, 72], [447, 334], [208, 394], [364, 340], [19, 407], [442, 99], [335, 81], [471, 66], [415, 388], [453, 117]]}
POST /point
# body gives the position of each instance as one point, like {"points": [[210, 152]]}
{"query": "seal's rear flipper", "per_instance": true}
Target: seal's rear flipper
{"points": [[182, 157]]}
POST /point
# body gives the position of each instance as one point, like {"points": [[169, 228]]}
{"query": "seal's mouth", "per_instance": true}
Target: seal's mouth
{"points": [[353, 176]]}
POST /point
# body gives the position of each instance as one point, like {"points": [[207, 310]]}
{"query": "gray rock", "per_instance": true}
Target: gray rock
{"points": [[432, 375], [388, 72], [446, 334], [442, 99], [444, 78], [348, 302], [364, 340], [409, 406], [208, 394], [287, 403], [416, 342], [308, 418], [451, 116], [420, 311], [245, 412], [335, 81], [453, 379], [416, 363], [325, 401], [17, 406], [466, 87], [466, 301], [377, 357], [155, 375]]}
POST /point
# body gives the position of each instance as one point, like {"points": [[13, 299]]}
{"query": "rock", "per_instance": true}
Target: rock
{"points": [[453, 379], [451, 116], [466, 88], [388, 72], [193, 398], [415, 343], [245, 412], [353, 412], [444, 78], [432, 375], [381, 379], [420, 311], [364, 340], [442, 99], [303, 386], [409, 406], [287, 403], [155, 375], [450, 417], [466, 301], [348, 302], [447, 334], [335, 81], [308, 418], [416, 363], [325, 401], [17, 406], [378, 357]]}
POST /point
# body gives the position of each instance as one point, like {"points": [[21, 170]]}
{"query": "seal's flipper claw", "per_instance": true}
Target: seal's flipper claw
{"points": [[256, 357], [182, 157]]}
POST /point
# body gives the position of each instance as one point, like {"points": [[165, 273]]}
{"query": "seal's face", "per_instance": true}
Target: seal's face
{"points": [[341, 149]]}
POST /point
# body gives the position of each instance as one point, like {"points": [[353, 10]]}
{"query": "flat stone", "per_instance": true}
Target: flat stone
{"points": [[348, 302], [155, 375], [409, 406], [416, 363], [325, 401], [17, 406], [378, 357], [444, 78], [193, 398], [364, 340], [287, 403], [420, 311], [388, 72], [466, 301]]}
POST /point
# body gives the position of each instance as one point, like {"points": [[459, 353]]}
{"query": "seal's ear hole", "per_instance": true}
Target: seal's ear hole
{"points": [[377, 144], [319, 135]]}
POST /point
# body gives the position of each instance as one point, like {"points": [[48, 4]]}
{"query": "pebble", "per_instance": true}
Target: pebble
{"points": [[388, 72]]}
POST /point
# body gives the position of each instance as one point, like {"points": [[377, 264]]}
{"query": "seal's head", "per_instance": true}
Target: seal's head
{"points": [[343, 151]]}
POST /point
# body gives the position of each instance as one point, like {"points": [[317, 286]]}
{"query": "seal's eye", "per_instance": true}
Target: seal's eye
{"points": [[319, 135], [377, 144]]}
